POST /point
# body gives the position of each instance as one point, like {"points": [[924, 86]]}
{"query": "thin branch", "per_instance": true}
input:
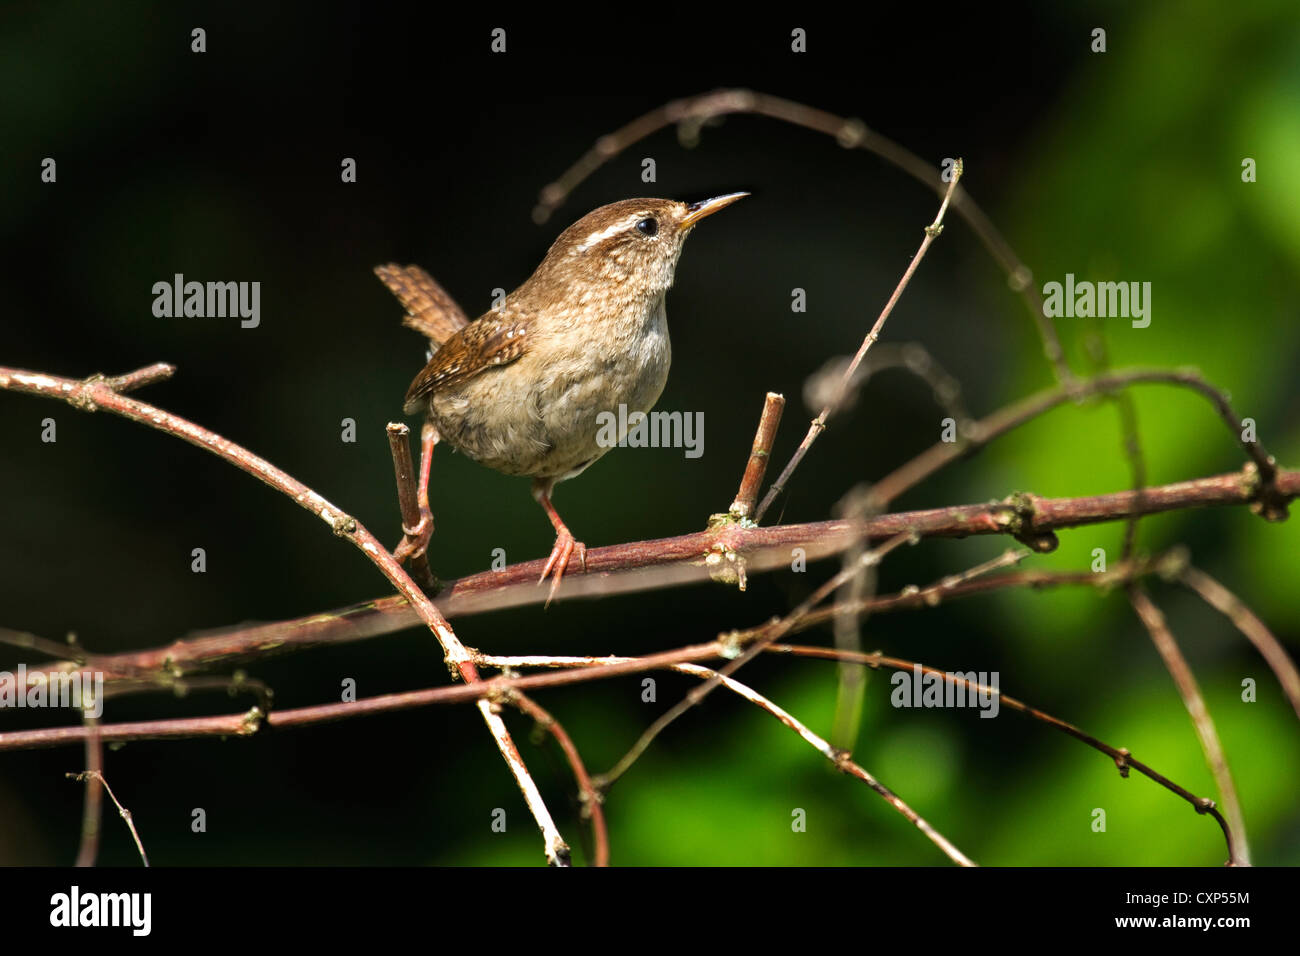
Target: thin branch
{"points": [[970, 583], [182, 686], [149, 375], [1130, 442], [1167, 646], [96, 775], [759, 455], [92, 811], [911, 357], [844, 389], [43, 645], [591, 799], [1137, 463], [408, 504], [847, 625], [557, 851], [839, 758], [178, 728], [1234, 609]]}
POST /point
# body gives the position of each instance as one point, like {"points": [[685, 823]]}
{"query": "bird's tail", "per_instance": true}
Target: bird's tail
{"points": [[430, 310]]}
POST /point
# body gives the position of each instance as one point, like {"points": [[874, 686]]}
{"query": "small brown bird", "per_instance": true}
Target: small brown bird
{"points": [[520, 388]]}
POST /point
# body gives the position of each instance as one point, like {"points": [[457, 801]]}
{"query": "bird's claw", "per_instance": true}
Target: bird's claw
{"points": [[565, 546], [417, 538]]}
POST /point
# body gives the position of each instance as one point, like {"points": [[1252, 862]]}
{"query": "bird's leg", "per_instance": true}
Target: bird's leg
{"points": [[565, 543], [417, 538]]}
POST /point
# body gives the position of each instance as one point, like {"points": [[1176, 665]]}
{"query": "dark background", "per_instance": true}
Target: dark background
{"points": [[225, 166]]}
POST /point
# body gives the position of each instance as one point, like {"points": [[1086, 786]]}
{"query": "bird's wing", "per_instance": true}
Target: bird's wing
{"points": [[496, 338], [429, 309]]}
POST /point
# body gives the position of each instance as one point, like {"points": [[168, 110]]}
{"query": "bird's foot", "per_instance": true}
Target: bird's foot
{"points": [[417, 538], [565, 546]]}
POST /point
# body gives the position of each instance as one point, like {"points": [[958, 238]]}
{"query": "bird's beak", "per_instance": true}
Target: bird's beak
{"points": [[707, 207]]}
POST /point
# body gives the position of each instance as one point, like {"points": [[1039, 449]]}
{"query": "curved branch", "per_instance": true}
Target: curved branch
{"points": [[691, 114], [98, 392]]}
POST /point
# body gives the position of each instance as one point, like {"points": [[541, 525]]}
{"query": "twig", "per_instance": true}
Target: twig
{"points": [[840, 758], [818, 425], [759, 455], [149, 375], [1130, 442], [96, 775], [1179, 670], [557, 851], [181, 686], [969, 583], [591, 800], [1232, 607], [227, 725], [44, 645], [92, 812], [1137, 464], [404, 469], [911, 357], [846, 626]]}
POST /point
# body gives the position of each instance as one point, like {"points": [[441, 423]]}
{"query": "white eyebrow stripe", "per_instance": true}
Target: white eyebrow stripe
{"points": [[605, 233]]}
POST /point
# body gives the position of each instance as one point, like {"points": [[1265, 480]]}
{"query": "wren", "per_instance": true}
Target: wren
{"points": [[520, 388]]}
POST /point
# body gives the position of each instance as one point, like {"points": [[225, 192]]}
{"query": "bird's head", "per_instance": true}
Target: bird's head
{"points": [[631, 245]]}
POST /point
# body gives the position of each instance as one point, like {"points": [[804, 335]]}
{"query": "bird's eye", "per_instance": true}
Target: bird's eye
{"points": [[648, 227]]}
